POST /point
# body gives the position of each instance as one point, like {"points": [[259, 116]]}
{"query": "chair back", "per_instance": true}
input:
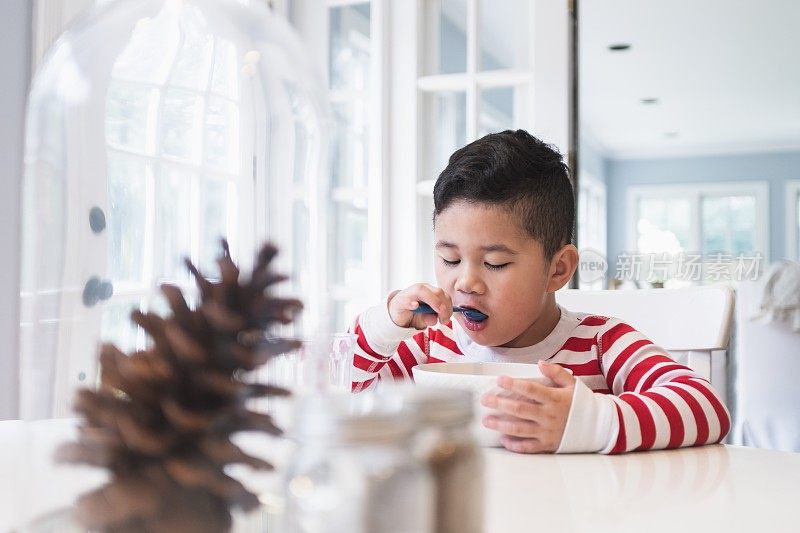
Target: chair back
{"points": [[679, 320]]}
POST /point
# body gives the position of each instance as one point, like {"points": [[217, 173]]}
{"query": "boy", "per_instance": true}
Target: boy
{"points": [[503, 222]]}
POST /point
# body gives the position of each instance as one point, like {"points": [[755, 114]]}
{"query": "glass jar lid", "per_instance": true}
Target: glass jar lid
{"points": [[352, 419], [435, 406]]}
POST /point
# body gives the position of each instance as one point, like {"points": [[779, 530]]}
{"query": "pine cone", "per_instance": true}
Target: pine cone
{"points": [[162, 419]]}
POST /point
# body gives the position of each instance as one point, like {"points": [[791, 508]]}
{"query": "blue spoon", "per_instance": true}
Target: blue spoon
{"points": [[475, 316]]}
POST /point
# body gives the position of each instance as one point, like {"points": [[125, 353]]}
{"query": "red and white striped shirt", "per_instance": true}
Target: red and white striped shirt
{"points": [[630, 394]]}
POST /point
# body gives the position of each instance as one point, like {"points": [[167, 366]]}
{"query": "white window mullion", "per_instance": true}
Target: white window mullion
{"points": [[345, 3], [195, 214], [405, 149], [366, 117], [148, 272], [503, 78], [359, 198], [762, 224], [231, 221], [696, 242], [342, 293], [444, 82], [462, 81], [473, 111], [472, 37], [792, 250], [347, 95], [729, 231], [530, 95], [377, 235]]}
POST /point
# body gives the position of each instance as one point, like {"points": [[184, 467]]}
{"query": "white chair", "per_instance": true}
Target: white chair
{"points": [[767, 361], [691, 323]]}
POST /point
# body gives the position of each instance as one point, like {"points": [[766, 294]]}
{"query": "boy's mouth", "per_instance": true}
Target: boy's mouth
{"points": [[473, 324]]}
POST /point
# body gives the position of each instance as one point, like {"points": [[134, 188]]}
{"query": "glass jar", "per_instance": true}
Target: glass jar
{"points": [[354, 469], [447, 445]]}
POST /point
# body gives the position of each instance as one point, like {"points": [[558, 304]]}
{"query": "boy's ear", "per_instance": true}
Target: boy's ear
{"points": [[562, 267]]}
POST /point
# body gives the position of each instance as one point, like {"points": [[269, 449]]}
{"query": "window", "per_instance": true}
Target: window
{"points": [[475, 79], [356, 242], [165, 142], [440, 73], [793, 220], [716, 224], [167, 117], [174, 143], [591, 226]]}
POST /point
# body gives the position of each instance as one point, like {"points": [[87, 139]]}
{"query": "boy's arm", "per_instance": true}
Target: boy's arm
{"points": [[657, 403], [384, 350]]}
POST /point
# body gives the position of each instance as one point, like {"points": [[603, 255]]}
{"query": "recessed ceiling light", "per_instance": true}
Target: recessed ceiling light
{"points": [[671, 135], [649, 101], [619, 47]]}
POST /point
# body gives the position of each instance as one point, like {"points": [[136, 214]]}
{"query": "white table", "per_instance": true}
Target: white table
{"points": [[714, 488], [709, 489]]}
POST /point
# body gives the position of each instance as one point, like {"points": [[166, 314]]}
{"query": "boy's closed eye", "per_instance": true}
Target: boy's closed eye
{"points": [[490, 266]]}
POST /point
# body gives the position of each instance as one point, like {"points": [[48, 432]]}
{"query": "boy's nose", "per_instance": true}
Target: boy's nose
{"points": [[469, 283]]}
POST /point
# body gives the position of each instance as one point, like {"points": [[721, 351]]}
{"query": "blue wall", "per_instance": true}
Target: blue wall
{"points": [[774, 168]]}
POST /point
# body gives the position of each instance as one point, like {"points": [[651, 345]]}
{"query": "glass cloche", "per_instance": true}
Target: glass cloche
{"points": [[154, 128]]}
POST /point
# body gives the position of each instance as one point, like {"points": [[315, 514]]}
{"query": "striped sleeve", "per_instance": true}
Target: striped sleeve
{"points": [[384, 350], [659, 403]]}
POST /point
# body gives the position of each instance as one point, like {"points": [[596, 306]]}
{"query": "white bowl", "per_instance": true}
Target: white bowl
{"points": [[479, 378]]}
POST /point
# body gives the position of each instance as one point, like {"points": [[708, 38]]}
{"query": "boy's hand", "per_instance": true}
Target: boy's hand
{"points": [[533, 421], [402, 303]]}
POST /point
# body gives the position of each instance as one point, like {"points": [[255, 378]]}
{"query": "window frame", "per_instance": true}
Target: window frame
{"points": [[158, 164], [50, 17], [399, 112], [793, 226], [591, 189], [471, 82], [695, 192], [374, 195]]}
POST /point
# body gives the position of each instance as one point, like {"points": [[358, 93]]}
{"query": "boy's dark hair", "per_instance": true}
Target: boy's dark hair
{"points": [[517, 171]]}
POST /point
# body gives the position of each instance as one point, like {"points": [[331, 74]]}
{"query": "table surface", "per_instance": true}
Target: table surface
{"points": [[713, 488]]}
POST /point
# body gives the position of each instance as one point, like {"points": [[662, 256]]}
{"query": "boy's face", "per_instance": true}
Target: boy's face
{"points": [[485, 261]]}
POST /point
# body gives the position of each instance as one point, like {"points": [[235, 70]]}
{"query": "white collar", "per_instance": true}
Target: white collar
{"points": [[528, 354]]}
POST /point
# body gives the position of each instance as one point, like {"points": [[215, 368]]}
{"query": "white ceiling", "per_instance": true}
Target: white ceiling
{"points": [[726, 73]]}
